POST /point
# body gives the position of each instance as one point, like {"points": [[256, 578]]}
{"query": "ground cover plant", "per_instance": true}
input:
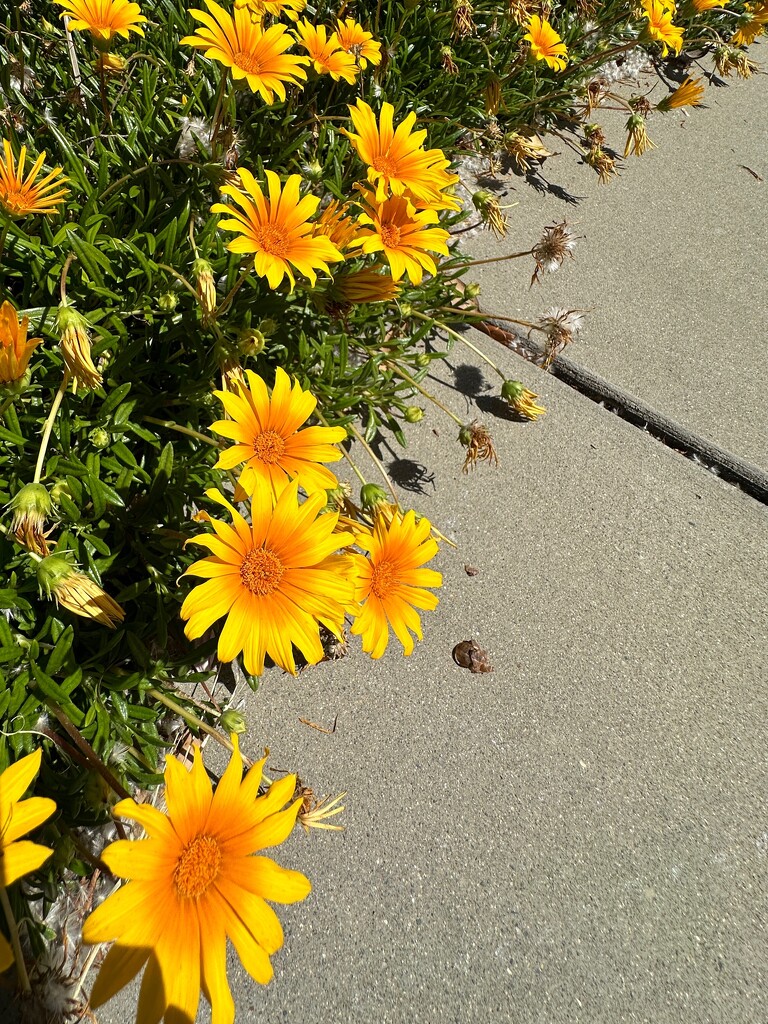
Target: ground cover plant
{"points": [[227, 262]]}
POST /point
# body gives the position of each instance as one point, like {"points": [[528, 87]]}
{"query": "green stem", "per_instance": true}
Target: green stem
{"points": [[6, 405], [344, 452], [179, 277], [49, 427], [3, 237], [224, 306], [13, 931], [460, 337], [375, 460], [193, 720], [171, 425], [499, 259], [427, 394]]}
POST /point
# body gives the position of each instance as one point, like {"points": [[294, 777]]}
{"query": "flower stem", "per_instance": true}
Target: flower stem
{"points": [[460, 337], [375, 460], [172, 425], [499, 259], [48, 427], [227, 302], [344, 452], [13, 931], [63, 279], [5, 406], [179, 277], [193, 720], [427, 394], [3, 237]]}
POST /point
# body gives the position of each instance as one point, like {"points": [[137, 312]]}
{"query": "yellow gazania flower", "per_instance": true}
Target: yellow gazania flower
{"points": [[355, 40], [277, 229], [659, 27], [103, 18], [15, 347], [689, 94], [395, 158], [748, 32], [326, 54], [546, 44], [17, 817], [268, 439], [334, 223], [365, 285], [276, 580], [20, 196], [403, 235], [253, 53], [258, 8], [192, 884], [391, 582]]}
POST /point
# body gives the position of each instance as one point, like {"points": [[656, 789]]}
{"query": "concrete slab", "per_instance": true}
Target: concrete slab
{"points": [[673, 263], [581, 835]]}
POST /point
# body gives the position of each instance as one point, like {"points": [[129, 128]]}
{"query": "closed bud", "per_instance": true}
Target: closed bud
{"points": [[77, 592], [99, 437], [406, 309], [372, 495], [59, 488], [232, 721], [472, 290], [202, 271], [251, 341], [413, 414], [422, 360], [167, 302]]}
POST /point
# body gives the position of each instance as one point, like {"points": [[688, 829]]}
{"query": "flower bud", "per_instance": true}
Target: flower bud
{"points": [[472, 290], [99, 438], [167, 302], [31, 507], [251, 341], [406, 309], [422, 360], [413, 414], [111, 64], [372, 495], [232, 721], [59, 488], [202, 271], [76, 346]]}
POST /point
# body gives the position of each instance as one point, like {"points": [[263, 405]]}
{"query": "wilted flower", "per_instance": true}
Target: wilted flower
{"points": [[604, 165], [523, 146], [31, 507], [728, 59], [314, 813], [689, 94], [492, 94], [202, 271], [637, 139], [76, 592], [487, 205], [557, 242], [449, 64], [560, 325], [521, 400], [366, 285], [476, 439], [463, 25], [76, 346]]}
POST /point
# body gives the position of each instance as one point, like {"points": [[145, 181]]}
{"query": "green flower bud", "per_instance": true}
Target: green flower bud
{"points": [[251, 341], [232, 721], [422, 360], [511, 390], [59, 488], [413, 414], [472, 290], [372, 495], [406, 309], [167, 302], [99, 438]]}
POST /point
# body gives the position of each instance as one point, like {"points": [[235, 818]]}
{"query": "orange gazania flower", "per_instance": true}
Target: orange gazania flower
{"points": [[395, 158], [391, 582], [336, 225], [277, 230], [659, 27], [756, 18], [276, 580], [20, 196], [365, 285], [689, 94], [355, 40], [403, 234], [15, 347], [252, 52], [268, 440], [546, 44], [104, 18], [325, 52], [192, 884], [17, 817]]}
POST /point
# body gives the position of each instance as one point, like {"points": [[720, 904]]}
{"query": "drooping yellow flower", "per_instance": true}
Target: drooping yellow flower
{"points": [[395, 158], [659, 27], [20, 196], [258, 8], [546, 44], [104, 18], [77, 592], [403, 235], [276, 580], [193, 884], [277, 230], [327, 56], [252, 52], [391, 581], [76, 346], [706, 5], [689, 94], [17, 818], [753, 25], [355, 40], [268, 442], [366, 285], [521, 400], [15, 347], [638, 141]]}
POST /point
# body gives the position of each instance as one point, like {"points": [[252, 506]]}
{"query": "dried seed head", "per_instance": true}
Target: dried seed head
{"points": [[593, 133], [520, 11], [476, 439], [463, 25], [560, 326], [449, 65], [602, 163], [557, 242]]}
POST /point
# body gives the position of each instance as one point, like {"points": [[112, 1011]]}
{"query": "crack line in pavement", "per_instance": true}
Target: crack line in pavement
{"points": [[699, 450]]}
